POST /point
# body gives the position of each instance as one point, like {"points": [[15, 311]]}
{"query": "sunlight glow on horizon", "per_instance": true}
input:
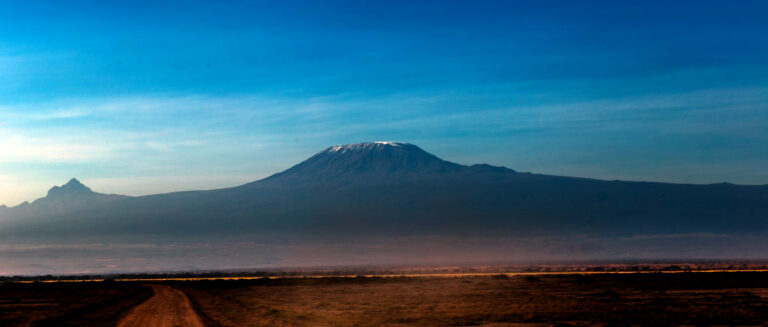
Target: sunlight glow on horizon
{"points": [[142, 98]]}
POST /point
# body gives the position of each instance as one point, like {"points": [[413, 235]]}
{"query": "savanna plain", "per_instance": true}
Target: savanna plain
{"points": [[573, 299]]}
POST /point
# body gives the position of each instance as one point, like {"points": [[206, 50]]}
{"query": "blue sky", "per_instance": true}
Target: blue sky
{"points": [[143, 97]]}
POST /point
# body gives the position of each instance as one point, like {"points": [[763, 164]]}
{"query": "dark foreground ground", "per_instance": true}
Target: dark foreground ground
{"points": [[68, 304], [649, 299]]}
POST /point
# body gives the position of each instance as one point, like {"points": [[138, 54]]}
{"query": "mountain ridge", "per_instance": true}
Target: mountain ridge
{"points": [[69, 197], [79, 188], [393, 188], [72, 188]]}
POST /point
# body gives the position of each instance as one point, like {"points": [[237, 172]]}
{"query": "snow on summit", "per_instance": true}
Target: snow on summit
{"points": [[364, 146]]}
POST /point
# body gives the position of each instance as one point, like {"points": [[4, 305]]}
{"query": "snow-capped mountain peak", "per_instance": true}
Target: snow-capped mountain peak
{"points": [[383, 157]]}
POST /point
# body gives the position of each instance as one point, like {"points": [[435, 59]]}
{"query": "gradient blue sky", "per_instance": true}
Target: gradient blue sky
{"points": [[144, 97]]}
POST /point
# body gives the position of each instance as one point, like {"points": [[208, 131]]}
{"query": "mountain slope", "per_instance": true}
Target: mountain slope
{"points": [[61, 201], [397, 189], [368, 159]]}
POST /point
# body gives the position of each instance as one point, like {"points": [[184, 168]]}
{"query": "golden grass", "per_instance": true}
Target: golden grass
{"points": [[480, 300]]}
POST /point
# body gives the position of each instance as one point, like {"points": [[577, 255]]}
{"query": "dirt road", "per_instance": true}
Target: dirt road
{"points": [[169, 307]]}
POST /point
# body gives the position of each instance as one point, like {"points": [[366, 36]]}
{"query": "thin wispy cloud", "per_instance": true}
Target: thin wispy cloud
{"points": [[18, 148], [244, 90], [238, 135]]}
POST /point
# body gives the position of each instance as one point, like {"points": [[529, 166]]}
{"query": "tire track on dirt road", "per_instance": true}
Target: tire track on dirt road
{"points": [[169, 307]]}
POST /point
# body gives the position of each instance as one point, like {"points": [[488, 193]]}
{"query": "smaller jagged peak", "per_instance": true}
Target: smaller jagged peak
{"points": [[73, 183], [73, 187]]}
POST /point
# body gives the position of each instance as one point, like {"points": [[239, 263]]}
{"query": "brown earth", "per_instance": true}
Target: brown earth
{"points": [[169, 307], [725, 299], [79, 304], [608, 299]]}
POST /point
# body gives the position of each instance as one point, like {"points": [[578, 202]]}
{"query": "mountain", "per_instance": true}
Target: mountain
{"points": [[391, 189], [61, 200], [73, 188], [370, 159]]}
